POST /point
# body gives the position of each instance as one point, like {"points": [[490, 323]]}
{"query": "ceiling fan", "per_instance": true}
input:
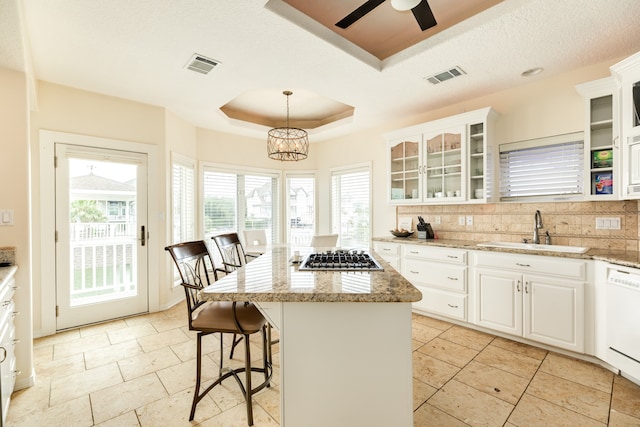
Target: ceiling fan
{"points": [[420, 8]]}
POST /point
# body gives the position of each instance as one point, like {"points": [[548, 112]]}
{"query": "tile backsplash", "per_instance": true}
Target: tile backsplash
{"points": [[568, 223]]}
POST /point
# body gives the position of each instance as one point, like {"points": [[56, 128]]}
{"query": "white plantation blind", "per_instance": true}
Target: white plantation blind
{"points": [[351, 206], [236, 201], [220, 196], [183, 200], [548, 167]]}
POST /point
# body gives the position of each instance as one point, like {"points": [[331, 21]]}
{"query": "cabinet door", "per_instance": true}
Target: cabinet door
{"points": [[499, 300], [554, 312], [444, 164], [404, 169]]}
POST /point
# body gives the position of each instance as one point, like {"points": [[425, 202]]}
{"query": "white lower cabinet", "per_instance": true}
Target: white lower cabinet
{"points": [[526, 295], [441, 275], [390, 252]]}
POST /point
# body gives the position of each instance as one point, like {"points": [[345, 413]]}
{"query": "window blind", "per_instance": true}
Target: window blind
{"points": [[351, 207], [237, 201], [183, 202], [550, 167]]}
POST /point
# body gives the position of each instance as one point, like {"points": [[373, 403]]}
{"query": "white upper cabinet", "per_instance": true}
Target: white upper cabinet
{"points": [[601, 140], [446, 160], [627, 74]]}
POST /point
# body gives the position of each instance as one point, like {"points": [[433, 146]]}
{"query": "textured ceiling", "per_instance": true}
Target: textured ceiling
{"points": [[138, 49]]}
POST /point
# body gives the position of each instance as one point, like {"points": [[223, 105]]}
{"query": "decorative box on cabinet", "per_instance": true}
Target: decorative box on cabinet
{"points": [[446, 160], [601, 139], [627, 74], [535, 297], [441, 275]]}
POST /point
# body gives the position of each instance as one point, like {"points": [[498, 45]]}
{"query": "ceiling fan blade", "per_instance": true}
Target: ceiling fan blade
{"points": [[365, 8], [424, 16]]}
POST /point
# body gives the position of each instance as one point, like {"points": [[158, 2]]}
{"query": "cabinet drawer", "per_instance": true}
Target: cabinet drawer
{"points": [[443, 303], [559, 267], [456, 256], [386, 249], [272, 311], [450, 277]]}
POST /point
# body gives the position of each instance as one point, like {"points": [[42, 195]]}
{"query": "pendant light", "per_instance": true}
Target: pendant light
{"points": [[287, 143]]}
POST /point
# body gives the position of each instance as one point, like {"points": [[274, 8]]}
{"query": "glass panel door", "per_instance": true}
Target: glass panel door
{"points": [[101, 250]]}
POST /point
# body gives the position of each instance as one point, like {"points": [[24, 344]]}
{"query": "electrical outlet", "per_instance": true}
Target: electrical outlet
{"points": [[469, 220], [604, 223], [460, 220], [437, 220]]}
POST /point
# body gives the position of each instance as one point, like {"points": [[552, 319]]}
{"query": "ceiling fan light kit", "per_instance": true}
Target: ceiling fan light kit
{"points": [[287, 143], [420, 9], [403, 5]]}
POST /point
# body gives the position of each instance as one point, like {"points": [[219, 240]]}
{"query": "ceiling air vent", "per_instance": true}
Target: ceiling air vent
{"points": [[445, 75], [201, 64]]}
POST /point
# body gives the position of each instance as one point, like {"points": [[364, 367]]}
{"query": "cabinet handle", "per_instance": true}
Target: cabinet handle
{"points": [[16, 341], [452, 256], [518, 285], [413, 252], [615, 142], [526, 287], [386, 249], [523, 265], [452, 278], [15, 313], [15, 288], [4, 354], [6, 303], [16, 373], [452, 306], [414, 272]]}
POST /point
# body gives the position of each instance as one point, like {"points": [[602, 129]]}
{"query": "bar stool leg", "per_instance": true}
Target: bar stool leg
{"points": [[247, 362]]}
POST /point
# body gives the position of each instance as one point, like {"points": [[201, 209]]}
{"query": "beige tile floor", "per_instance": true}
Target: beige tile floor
{"points": [[139, 372]]}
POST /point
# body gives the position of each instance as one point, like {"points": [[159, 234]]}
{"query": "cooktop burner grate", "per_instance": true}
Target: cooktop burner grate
{"points": [[340, 260]]}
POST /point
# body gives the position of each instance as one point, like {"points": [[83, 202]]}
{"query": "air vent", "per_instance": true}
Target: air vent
{"points": [[201, 64], [445, 75]]}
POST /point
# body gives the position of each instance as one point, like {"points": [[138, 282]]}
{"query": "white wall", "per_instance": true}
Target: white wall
{"points": [[14, 194]]}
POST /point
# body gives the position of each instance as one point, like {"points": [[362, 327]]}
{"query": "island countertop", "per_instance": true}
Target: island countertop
{"points": [[273, 278]]}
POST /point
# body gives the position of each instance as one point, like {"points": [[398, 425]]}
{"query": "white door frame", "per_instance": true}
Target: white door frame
{"points": [[48, 139]]}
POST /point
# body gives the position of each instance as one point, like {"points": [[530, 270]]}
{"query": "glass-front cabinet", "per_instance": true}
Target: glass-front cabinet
{"points": [[405, 167], [443, 161], [443, 167]]}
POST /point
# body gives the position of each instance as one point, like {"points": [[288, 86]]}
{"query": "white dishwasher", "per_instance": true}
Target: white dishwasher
{"points": [[623, 319]]}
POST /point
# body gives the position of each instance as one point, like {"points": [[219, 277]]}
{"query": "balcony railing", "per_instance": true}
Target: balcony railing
{"points": [[103, 262]]}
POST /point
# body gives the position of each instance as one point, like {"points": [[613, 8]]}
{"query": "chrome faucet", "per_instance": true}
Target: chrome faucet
{"points": [[537, 224]]}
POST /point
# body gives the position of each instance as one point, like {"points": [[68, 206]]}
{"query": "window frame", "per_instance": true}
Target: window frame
{"points": [[286, 227]]}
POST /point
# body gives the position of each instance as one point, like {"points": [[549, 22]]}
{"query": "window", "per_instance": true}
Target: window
{"points": [[351, 206], [183, 199], [234, 201], [543, 167], [301, 211]]}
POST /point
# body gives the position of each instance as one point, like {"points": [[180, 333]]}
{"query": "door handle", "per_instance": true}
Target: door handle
{"points": [[143, 236]]}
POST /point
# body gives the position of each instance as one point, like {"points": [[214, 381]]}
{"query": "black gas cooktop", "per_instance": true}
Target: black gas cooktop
{"points": [[340, 260]]}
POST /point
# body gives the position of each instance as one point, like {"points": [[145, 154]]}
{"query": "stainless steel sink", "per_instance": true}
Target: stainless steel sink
{"points": [[535, 247]]}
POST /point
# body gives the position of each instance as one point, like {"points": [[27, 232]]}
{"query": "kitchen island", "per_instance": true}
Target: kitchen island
{"points": [[345, 339]]}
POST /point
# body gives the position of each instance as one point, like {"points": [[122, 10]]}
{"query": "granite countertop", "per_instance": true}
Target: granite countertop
{"points": [[272, 277], [618, 257]]}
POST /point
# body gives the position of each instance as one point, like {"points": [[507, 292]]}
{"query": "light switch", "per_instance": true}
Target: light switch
{"points": [[6, 217]]}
